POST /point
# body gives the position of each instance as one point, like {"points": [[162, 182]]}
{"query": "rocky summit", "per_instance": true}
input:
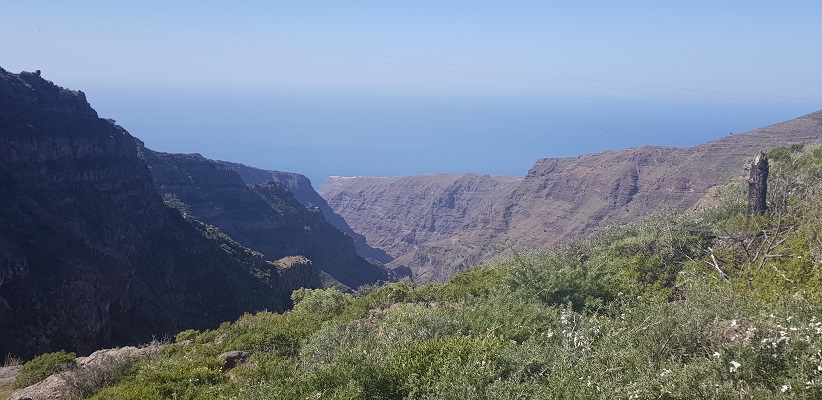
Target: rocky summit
{"points": [[437, 225]]}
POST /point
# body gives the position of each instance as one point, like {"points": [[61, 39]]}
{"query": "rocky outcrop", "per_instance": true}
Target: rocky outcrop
{"points": [[304, 192], [90, 256], [9, 374], [265, 217], [437, 225], [88, 374]]}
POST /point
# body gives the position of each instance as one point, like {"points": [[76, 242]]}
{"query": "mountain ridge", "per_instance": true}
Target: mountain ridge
{"points": [[559, 199]]}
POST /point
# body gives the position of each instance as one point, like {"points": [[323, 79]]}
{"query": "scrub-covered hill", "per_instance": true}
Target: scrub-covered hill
{"points": [[709, 305]]}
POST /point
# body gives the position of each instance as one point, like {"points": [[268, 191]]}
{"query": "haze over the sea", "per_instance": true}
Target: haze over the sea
{"points": [[382, 88]]}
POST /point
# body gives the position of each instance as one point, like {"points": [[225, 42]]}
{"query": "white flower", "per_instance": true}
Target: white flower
{"points": [[785, 388], [735, 366], [716, 354]]}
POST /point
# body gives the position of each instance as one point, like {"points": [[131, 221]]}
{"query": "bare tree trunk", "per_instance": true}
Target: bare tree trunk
{"points": [[758, 185]]}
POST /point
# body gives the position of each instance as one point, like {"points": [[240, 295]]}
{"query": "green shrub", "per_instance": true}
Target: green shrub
{"points": [[476, 282], [562, 277], [190, 334], [328, 302], [271, 332], [42, 366], [779, 153], [180, 376]]}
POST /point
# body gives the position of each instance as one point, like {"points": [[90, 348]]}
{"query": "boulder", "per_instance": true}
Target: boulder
{"points": [[232, 358], [89, 373]]}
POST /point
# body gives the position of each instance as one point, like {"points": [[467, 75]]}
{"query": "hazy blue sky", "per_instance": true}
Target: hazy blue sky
{"points": [[398, 88]]}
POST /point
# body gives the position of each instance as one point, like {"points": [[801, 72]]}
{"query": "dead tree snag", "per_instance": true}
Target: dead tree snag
{"points": [[758, 185]]}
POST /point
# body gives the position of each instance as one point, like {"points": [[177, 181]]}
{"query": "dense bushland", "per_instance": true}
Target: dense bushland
{"points": [[703, 305]]}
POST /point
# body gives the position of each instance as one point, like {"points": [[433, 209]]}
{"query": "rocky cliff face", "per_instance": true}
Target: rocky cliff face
{"points": [[304, 192], [90, 255], [266, 216], [437, 225]]}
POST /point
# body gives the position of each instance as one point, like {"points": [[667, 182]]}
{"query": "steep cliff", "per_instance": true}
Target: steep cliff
{"points": [[418, 220], [304, 192], [265, 217], [436, 225], [90, 255]]}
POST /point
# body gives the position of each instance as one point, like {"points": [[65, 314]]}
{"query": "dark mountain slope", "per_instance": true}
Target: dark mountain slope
{"points": [[89, 254], [301, 187], [265, 217], [414, 219]]}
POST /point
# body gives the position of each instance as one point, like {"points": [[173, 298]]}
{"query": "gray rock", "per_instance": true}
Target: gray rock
{"points": [[232, 358], [9, 374]]}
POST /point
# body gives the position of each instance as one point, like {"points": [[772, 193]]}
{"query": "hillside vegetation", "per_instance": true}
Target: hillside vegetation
{"points": [[710, 305]]}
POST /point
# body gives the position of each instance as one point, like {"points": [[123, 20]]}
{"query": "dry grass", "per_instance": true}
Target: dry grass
{"points": [[6, 389], [12, 361]]}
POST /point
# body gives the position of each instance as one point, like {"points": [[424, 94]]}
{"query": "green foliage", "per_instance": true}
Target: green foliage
{"points": [[715, 305], [385, 296], [476, 282], [268, 332], [42, 366], [779, 153], [784, 153], [180, 375], [562, 277], [190, 334], [327, 302]]}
